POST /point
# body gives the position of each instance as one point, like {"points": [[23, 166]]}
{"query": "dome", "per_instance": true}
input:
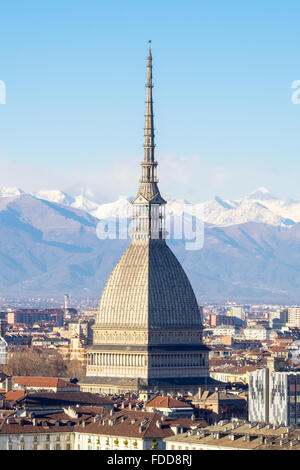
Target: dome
{"points": [[148, 288]]}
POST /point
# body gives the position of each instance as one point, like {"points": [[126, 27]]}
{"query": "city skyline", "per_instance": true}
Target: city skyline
{"points": [[150, 227]]}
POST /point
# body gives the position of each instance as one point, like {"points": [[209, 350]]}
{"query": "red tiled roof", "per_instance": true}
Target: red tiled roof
{"points": [[137, 424], [14, 394], [42, 382], [166, 402], [241, 370], [16, 428], [129, 424]]}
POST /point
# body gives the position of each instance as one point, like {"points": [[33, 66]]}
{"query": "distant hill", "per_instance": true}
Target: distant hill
{"points": [[48, 248]]}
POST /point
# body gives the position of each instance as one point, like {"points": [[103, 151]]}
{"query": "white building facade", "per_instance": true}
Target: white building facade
{"points": [[258, 396], [274, 398], [259, 333], [3, 351]]}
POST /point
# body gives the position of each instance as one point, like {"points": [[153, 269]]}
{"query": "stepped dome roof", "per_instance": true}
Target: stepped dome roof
{"points": [[148, 288]]}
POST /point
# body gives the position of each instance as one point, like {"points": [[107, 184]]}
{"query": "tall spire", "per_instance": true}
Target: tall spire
{"points": [[149, 117], [148, 205], [148, 182]]}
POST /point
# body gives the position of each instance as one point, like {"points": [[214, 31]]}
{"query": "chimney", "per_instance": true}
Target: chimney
{"points": [[176, 430]]}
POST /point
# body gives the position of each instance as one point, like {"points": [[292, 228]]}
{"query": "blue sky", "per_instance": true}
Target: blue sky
{"points": [[75, 74]]}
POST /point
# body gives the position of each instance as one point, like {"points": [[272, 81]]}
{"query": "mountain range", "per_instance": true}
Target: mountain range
{"points": [[49, 246], [260, 206]]}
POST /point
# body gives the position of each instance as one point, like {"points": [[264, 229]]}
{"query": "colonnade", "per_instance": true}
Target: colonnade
{"points": [[111, 359], [141, 360]]}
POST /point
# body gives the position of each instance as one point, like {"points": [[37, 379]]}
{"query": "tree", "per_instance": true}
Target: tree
{"points": [[44, 363], [76, 369]]}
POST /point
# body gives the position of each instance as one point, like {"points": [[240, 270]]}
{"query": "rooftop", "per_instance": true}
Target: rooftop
{"points": [[167, 402], [243, 436]]}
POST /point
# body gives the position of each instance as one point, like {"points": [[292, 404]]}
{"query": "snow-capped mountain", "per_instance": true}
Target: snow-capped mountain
{"points": [[10, 191], [54, 195], [262, 194], [289, 208], [118, 208], [85, 204], [260, 206], [226, 213], [216, 211]]}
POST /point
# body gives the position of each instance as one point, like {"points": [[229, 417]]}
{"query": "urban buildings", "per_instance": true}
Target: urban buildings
{"points": [[82, 421], [226, 330], [237, 435], [31, 316], [237, 313], [258, 332], [37, 384], [90, 428]]}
